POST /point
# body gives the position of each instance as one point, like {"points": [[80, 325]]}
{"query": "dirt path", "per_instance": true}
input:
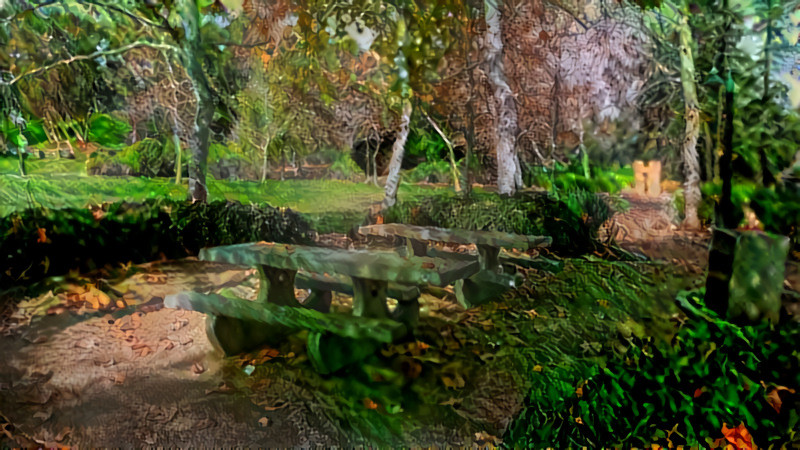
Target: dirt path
{"points": [[85, 370], [139, 375]]}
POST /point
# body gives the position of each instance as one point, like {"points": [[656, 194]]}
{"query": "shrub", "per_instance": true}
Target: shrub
{"points": [[225, 163], [571, 219], [344, 168], [570, 177], [148, 157], [108, 131], [39, 242], [432, 172], [681, 392]]}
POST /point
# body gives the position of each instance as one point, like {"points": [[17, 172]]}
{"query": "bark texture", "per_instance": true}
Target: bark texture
{"points": [[691, 163], [506, 124], [398, 149]]}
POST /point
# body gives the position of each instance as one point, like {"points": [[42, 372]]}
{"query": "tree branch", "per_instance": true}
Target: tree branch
{"points": [[122, 11], [94, 55]]}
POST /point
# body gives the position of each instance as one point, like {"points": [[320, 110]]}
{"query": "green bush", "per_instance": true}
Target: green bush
{"points": [[344, 168], [678, 392], [108, 131], [433, 172], [571, 219], [148, 157], [40, 242], [570, 176], [229, 162]]}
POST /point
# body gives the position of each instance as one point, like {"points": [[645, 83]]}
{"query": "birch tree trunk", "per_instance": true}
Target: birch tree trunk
{"points": [[191, 48], [506, 120], [398, 149], [691, 164]]}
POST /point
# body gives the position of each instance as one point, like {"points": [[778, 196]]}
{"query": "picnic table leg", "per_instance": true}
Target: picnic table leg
{"points": [[417, 247], [407, 312], [329, 353], [277, 286], [234, 336], [369, 297], [319, 300], [489, 257]]}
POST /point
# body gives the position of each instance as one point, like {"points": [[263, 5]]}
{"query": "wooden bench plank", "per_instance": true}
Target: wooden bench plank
{"points": [[457, 236], [366, 264], [381, 330]]}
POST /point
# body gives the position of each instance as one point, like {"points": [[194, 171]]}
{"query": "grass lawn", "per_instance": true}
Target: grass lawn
{"points": [[330, 205]]}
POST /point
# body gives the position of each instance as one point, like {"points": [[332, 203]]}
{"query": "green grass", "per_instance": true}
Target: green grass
{"points": [[10, 166], [330, 205]]}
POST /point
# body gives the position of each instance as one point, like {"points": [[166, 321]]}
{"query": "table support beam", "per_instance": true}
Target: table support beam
{"points": [[277, 286], [369, 298]]}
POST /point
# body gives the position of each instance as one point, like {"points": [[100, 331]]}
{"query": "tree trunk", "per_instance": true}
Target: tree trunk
{"points": [[264, 166], [691, 164], [506, 119], [198, 165], [191, 52], [367, 155], [398, 149]]}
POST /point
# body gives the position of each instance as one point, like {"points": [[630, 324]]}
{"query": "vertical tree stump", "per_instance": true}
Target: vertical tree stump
{"points": [[647, 178]]}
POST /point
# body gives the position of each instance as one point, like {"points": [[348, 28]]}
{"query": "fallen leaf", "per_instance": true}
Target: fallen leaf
{"points": [[264, 421], [42, 236], [774, 398], [738, 436], [369, 404]]}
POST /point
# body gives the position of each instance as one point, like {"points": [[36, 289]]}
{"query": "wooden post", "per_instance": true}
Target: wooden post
{"points": [[647, 178]]}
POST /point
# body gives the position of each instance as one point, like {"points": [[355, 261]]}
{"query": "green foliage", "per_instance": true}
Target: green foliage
{"points": [[568, 177], [344, 168], [40, 242], [571, 219], [148, 157], [678, 392], [778, 209], [437, 171], [108, 131], [32, 132]]}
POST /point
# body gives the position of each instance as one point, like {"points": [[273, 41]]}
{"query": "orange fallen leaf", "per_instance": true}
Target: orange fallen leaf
{"points": [[739, 437], [42, 236], [369, 404], [264, 421], [774, 398]]}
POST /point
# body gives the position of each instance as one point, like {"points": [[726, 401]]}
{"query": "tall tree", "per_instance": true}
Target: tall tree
{"points": [[691, 163], [509, 176]]}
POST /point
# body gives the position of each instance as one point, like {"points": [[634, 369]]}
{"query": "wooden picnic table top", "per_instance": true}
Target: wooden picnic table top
{"points": [[369, 264], [457, 236]]}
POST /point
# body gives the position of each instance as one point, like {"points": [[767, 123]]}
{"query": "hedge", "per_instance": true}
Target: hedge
{"points": [[41, 242]]}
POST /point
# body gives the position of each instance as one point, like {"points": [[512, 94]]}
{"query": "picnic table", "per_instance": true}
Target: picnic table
{"points": [[334, 340], [492, 279]]}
